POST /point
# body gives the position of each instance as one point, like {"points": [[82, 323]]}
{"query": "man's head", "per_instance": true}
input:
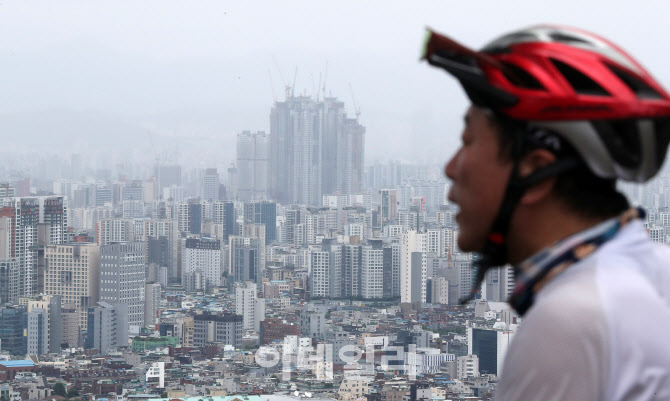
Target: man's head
{"points": [[481, 168], [546, 85]]}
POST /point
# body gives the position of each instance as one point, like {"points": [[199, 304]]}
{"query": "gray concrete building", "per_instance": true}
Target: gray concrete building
{"points": [[122, 278], [221, 329], [107, 327]]}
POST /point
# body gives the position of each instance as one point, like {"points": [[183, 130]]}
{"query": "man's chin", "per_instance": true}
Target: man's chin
{"points": [[465, 245]]}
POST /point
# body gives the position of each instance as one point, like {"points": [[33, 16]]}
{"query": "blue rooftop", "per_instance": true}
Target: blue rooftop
{"points": [[17, 364]]}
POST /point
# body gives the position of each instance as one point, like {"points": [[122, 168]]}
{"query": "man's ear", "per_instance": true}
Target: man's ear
{"points": [[531, 162]]}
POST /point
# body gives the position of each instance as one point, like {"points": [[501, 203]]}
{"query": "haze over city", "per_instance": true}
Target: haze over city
{"points": [[195, 74], [247, 201]]}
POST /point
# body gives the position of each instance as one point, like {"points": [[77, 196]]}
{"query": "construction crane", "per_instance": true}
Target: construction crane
{"points": [[287, 88], [356, 108], [295, 75], [325, 76], [272, 86]]}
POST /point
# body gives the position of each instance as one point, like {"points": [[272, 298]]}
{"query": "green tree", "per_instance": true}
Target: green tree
{"points": [[72, 393], [59, 389]]}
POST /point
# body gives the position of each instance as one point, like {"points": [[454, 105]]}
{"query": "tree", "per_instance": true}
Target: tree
{"points": [[59, 389], [72, 393]]}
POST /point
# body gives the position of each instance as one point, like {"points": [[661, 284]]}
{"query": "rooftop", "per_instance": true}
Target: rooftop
{"points": [[17, 364]]}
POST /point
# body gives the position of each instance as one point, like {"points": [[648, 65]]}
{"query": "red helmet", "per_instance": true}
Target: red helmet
{"points": [[573, 83]]}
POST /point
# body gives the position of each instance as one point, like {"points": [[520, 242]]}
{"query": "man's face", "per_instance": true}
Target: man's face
{"points": [[479, 177]]}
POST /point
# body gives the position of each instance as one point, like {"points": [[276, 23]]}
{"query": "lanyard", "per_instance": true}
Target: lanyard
{"points": [[534, 272]]}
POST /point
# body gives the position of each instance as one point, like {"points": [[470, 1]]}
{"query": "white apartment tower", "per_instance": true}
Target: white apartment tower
{"points": [[201, 256], [31, 223], [413, 267], [114, 230], [372, 273], [320, 274], [249, 306]]}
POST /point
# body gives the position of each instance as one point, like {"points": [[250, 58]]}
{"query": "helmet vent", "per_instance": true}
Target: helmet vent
{"points": [[636, 85], [581, 83], [520, 77]]}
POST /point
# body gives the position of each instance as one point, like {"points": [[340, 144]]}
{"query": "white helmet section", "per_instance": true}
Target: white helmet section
{"points": [[584, 138]]}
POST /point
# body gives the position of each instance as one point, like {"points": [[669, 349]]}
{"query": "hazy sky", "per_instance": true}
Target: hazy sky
{"points": [[202, 69]]}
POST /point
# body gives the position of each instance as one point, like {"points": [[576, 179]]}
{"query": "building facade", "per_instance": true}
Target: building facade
{"points": [[122, 278], [73, 272], [221, 329]]}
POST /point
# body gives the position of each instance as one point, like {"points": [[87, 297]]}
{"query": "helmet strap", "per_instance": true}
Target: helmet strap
{"points": [[494, 253]]}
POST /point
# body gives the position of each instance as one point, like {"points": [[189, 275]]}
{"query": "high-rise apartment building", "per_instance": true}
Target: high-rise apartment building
{"points": [[201, 256], [245, 259], [314, 150], [320, 284], [437, 290], [6, 190], [265, 213], [152, 303], [413, 267], [252, 165], [114, 230], [164, 247], [167, 175], [499, 284], [73, 272], [44, 328], [122, 278], [32, 223], [133, 191], [107, 327], [103, 196], [249, 306], [224, 213], [190, 217], [209, 185], [389, 205], [372, 272]]}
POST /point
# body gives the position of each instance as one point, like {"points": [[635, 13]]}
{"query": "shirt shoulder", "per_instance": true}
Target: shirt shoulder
{"points": [[561, 348]]}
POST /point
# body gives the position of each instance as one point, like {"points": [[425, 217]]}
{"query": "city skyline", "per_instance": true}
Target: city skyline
{"points": [[248, 201]]}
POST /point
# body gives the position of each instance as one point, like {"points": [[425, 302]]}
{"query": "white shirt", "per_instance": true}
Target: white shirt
{"points": [[600, 330]]}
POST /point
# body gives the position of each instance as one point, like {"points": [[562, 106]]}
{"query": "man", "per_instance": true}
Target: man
{"points": [[558, 114]]}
